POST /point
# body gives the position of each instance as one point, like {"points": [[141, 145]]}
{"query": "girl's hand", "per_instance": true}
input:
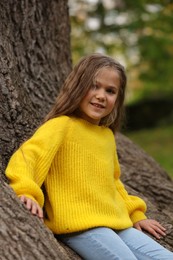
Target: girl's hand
{"points": [[32, 206], [151, 226]]}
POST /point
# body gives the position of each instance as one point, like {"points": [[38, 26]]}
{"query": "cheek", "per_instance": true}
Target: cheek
{"points": [[87, 97], [112, 102]]}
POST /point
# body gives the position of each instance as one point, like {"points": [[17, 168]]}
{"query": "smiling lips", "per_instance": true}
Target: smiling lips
{"points": [[98, 105]]}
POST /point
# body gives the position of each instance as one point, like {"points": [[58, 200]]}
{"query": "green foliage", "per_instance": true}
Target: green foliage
{"points": [[139, 33], [158, 143]]}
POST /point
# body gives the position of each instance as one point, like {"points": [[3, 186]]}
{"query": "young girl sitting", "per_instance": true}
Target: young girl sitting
{"points": [[73, 157]]}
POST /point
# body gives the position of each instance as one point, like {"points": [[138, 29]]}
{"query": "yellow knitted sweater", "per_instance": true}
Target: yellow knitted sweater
{"points": [[77, 164]]}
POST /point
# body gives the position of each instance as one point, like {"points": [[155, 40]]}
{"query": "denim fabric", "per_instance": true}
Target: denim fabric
{"points": [[105, 244]]}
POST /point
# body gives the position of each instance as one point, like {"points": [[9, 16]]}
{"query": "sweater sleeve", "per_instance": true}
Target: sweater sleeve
{"points": [[136, 206], [29, 165]]}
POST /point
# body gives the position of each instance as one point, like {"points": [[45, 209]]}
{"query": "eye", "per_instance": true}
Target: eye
{"points": [[111, 91]]}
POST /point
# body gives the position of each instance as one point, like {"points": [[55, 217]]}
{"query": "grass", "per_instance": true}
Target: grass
{"points": [[158, 143]]}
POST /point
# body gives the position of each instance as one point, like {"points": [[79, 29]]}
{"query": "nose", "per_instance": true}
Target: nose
{"points": [[100, 95]]}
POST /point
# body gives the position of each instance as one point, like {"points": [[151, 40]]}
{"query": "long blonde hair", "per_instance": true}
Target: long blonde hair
{"points": [[78, 83]]}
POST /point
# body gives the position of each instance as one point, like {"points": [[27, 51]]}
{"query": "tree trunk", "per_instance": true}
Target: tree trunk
{"points": [[34, 61], [145, 178]]}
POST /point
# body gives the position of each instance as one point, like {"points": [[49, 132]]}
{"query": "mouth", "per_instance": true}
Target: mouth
{"points": [[97, 105]]}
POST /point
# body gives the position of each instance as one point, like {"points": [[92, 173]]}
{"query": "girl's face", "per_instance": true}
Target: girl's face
{"points": [[101, 98]]}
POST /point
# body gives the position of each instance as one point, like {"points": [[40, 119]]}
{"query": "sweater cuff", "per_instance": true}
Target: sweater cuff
{"points": [[137, 216]]}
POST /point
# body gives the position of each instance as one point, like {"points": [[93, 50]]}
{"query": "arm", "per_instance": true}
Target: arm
{"points": [[137, 208], [29, 165]]}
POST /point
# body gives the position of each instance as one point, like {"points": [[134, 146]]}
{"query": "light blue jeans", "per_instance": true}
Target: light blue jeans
{"points": [[106, 244]]}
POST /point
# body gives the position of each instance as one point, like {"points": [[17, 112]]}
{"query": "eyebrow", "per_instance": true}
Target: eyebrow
{"points": [[115, 87]]}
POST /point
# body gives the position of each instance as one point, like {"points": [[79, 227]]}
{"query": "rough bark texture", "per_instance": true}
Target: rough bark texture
{"points": [[143, 176], [34, 61]]}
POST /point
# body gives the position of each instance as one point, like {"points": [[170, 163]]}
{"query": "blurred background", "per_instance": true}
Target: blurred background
{"points": [[140, 35]]}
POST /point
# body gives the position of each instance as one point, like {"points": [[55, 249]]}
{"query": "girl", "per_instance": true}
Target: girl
{"points": [[73, 156]]}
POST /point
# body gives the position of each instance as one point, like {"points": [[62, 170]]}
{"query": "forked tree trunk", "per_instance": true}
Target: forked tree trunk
{"points": [[34, 61]]}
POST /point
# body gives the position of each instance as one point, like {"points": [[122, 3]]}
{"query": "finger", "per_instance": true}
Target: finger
{"points": [[152, 224], [160, 226], [28, 203], [22, 198], [40, 212], [162, 233], [137, 226], [159, 230], [36, 210], [154, 233], [33, 208], [156, 223]]}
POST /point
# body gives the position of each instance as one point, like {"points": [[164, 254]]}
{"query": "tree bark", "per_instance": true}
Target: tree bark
{"points": [[144, 177], [34, 61]]}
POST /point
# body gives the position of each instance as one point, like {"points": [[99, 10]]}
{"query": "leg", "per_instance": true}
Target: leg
{"points": [[99, 244], [144, 247]]}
